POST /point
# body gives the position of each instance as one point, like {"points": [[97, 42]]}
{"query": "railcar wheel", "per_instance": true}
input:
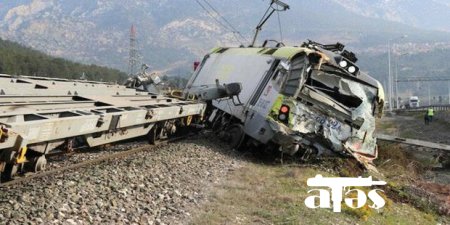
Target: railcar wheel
{"points": [[40, 164], [236, 136], [183, 127], [9, 172], [218, 123], [154, 135]]}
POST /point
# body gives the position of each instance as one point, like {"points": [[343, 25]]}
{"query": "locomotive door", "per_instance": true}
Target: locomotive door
{"points": [[260, 104]]}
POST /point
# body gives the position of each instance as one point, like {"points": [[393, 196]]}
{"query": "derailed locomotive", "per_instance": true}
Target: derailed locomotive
{"points": [[311, 99]]}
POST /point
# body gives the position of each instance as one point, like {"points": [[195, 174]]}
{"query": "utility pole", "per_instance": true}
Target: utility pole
{"points": [[396, 84], [390, 91], [134, 58], [397, 63], [389, 75], [429, 96]]}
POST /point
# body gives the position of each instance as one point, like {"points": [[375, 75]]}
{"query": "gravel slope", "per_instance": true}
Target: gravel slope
{"points": [[158, 186]]}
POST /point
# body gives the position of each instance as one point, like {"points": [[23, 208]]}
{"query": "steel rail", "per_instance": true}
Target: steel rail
{"points": [[98, 160]]}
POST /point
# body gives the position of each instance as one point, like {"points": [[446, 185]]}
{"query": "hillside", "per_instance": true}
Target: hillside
{"points": [[172, 34], [430, 14], [424, 64], [16, 59]]}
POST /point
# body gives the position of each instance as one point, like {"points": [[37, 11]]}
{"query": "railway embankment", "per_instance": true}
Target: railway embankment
{"points": [[157, 186], [199, 180]]}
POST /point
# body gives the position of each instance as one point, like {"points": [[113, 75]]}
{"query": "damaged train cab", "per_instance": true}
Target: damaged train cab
{"points": [[308, 100]]}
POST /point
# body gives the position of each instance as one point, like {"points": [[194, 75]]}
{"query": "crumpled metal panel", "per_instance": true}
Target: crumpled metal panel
{"points": [[338, 136]]}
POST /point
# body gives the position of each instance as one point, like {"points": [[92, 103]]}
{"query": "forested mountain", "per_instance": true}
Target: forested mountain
{"points": [[16, 59]]}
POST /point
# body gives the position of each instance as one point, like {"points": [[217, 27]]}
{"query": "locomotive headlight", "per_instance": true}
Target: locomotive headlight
{"points": [[347, 65], [343, 63], [351, 69]]}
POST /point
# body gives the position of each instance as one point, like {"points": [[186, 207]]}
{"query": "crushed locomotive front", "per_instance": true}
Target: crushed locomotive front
{"points": [[308, 99]]}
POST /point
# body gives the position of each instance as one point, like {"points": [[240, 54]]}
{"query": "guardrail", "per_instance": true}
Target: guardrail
{"points": [[415, 142], [424, 108]]}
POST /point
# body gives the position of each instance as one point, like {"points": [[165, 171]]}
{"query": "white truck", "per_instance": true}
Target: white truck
{"points": [[413, 102]]}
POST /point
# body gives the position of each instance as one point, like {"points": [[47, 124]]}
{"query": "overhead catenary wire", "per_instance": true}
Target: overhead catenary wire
{"points": [[226, 21], [227, 28], [212, 16]]}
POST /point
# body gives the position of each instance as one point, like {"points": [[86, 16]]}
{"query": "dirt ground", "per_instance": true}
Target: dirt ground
{"points": [[420, 171], [270, 193], [412, 125], [259, 193]]}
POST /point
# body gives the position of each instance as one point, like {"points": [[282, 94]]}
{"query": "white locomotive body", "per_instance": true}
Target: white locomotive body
{"points": [[310, 98]]}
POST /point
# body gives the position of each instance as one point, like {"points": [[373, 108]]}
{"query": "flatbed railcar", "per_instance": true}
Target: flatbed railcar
{"points": [[39, 114]]}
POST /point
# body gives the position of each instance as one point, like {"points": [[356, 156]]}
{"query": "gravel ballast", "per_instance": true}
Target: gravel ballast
{"points": [[158, 186]]}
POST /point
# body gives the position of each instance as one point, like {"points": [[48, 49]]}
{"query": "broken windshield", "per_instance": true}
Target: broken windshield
{"points": [[341, 88]]}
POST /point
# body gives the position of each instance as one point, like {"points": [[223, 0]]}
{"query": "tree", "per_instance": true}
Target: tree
{"points": [[16, 59]]}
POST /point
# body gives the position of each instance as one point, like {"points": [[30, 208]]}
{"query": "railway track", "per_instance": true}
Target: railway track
{"points": [[141, 146], [122, 154], [162, 183]]}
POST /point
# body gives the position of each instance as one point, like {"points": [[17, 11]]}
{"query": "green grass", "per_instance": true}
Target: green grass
{"points": [[385, 126], [264, 194]]}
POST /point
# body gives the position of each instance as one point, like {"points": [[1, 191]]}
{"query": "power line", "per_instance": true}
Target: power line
{"points": [[226, 21], [209, 13], [218, 21]]}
